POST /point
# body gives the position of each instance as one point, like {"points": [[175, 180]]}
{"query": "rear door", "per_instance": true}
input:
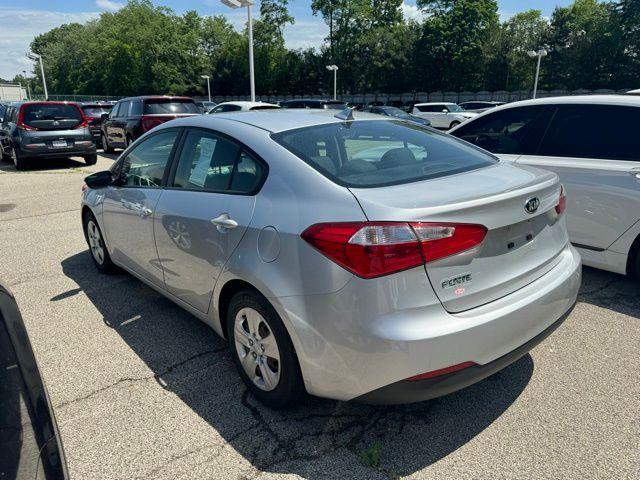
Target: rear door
{"points": [[508, 133], [129, 208], [204, 212], [595, 150]]}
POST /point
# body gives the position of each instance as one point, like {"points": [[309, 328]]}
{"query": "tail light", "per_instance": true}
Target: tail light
{"points": [[374, 249], [147, 123], [21, 124], [85, 121], [562, 201]]}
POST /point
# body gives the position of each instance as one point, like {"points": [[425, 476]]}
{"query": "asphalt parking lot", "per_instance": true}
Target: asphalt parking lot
{"points": [[141, 389]]}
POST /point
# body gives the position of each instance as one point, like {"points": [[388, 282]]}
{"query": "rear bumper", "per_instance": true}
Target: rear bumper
{"points": [[364, 341], [409, 392], [47, 152]]}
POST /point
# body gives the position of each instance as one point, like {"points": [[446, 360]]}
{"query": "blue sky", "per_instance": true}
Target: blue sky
{"points": [[21, 23]]}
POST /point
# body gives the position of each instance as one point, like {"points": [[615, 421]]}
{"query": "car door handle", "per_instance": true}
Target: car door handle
{"points": [[146, 212], [224, 222]]}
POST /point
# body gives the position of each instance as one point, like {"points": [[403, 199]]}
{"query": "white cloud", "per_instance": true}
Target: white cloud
{"points": [[412, 12], [109, 5], [306, 34], [18, 29]]}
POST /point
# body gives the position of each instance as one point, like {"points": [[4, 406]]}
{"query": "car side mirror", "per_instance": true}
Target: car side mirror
{"points": [[444, 110], [104, 116], [100, 179]]}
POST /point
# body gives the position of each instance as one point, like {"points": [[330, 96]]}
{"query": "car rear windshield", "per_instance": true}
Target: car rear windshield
{"points": [[96, 111], [51, 116], [335, 105], [170, 107], [377, 153]]}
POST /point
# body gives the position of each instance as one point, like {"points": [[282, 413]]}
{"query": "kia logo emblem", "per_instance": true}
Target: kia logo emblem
{"points": [[532, 205]]}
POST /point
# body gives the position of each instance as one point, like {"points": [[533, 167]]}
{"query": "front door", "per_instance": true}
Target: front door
{"points": [[204, 213], [128, 209]]}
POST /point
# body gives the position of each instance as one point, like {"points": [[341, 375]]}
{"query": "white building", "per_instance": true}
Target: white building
{"points": [[12, 92]]}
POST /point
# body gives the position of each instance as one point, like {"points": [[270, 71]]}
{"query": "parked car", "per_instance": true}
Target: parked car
{"points": [[397, 113], [3, 109], [94, 112], [206, 107], [387, 278], [442, 115], [243, 107], [479, 106], [395, 103], [33, 131], [131, 117], [313, 103], [30, 443], [593, 144]]}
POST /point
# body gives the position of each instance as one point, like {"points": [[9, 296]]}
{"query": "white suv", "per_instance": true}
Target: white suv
{"points": [[442, 115], [593, 144]]}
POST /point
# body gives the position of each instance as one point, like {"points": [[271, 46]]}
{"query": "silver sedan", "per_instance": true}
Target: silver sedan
{"points": [[360, 258]]}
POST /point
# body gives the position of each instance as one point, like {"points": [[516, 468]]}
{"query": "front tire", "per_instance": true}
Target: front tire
{"points": [[97, 247], [454, 124], [106, 148], [262, 350]]}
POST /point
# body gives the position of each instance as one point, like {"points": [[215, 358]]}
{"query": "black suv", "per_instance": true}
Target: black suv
{"points": [[312, 103], [37, 130], [131, 117]]}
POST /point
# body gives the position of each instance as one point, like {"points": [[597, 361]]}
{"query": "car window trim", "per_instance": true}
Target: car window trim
{"points": [[242, 147], [117, 166]]}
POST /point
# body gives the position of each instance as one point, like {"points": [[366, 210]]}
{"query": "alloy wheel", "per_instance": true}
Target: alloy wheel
{"points": [[257, 349], [95, 242]]}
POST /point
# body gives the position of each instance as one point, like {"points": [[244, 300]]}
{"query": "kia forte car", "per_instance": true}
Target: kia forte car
{"points": [[364, 259]]}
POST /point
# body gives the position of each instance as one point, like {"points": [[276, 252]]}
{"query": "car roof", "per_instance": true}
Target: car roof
{"points": [[157, 97], [433, 103], [242, 103], [277, 120], [624, 100]]}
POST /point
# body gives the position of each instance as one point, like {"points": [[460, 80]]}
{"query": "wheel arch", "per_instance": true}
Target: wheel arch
{"points": [[632, 258]]}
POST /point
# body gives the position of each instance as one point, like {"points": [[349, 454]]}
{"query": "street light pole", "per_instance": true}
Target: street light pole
{"points": [[207, 77], [26, 80], [533, 54], [239, 4], [334, 68], [35, 56]]}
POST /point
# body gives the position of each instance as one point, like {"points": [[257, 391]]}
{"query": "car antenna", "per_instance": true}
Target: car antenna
{"points": [[346, 114]]}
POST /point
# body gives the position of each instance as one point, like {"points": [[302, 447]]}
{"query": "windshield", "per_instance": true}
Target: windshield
{"points": [[93, 111], [377, 153], [171, 107], [395, 112]]}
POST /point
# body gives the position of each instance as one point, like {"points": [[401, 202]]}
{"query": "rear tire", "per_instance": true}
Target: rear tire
{"points": [[91, 159], [105, 144], [454, 124], [19, 161], [97, 248], [254, 326]]}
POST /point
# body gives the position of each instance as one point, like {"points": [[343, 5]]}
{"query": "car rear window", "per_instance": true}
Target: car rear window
{"points": [[265, 107], [96, 111], [51, 116], [171, 107], [377, 153], [335, 105]]}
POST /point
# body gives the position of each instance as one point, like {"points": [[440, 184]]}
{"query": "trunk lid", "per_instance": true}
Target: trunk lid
{"points": [[519, 247]]}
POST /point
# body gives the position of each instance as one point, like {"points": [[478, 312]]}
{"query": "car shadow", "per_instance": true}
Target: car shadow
{"points": [[46, 164], [611, 291], [191, 361]]}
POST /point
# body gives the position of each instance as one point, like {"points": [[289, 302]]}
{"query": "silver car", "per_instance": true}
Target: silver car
{"points": [[362, 259]]}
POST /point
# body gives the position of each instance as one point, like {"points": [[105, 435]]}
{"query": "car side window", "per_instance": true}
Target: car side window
{"points": [[136, 108], [211, 163], [144, 166], [610, 132], [115, 110], [512, 131]]}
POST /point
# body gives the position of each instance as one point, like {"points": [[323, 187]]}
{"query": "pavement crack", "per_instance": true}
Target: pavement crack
{"points": [[131, 380]]}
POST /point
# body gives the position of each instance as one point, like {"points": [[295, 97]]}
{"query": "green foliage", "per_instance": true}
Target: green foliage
{"points": [[459, 45], [372, 456]]}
